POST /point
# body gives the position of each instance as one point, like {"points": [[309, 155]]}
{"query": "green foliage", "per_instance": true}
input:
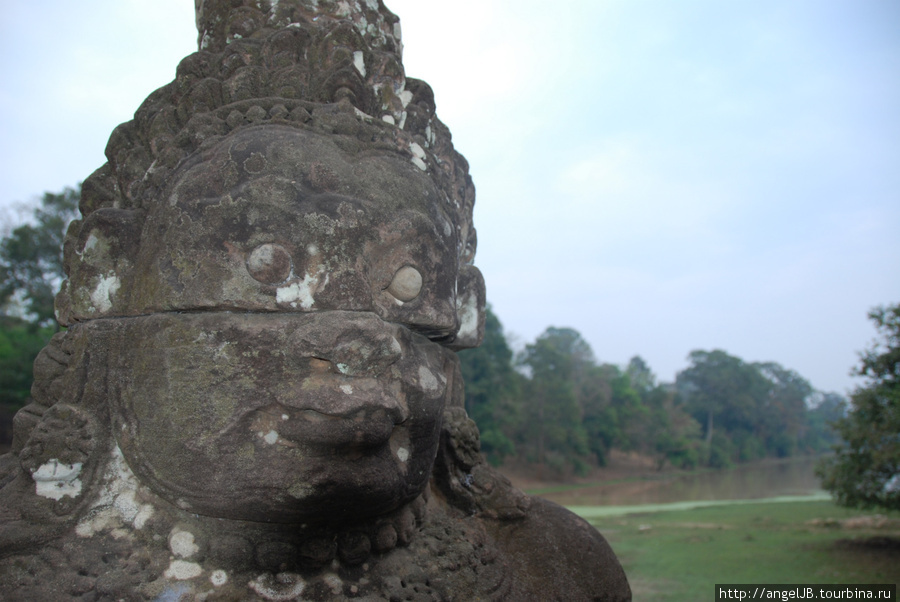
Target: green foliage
{"points": [[493, 389], [599, 415], [31, 271], [720, 386], [865, 470], [569, 411], [751, 410], [553, 428], [820, 436], [31, 265], [20, 342], [783, 409], [673, 434]]}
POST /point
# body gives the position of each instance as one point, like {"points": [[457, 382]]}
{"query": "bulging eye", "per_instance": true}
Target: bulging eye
{"points": [[269, 263], [406, 284]]}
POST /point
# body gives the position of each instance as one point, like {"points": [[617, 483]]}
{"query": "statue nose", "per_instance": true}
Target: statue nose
{"points": [[367, 356], [366, 347]]}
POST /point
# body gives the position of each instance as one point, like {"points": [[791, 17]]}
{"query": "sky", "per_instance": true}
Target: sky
{"points": [[660, 176]]}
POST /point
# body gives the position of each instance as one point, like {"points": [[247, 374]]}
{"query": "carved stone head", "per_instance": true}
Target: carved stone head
{"points": [[258, 376], [273, 271]]}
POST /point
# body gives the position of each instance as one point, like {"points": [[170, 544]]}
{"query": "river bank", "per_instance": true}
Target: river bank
{"points": [[628, 481]]}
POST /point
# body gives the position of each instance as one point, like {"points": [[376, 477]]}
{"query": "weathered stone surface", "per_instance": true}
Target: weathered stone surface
{"points": [[257, 396]]}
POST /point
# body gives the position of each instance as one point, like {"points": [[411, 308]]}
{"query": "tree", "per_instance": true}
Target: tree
{"points": [[783, 414], [642, 378], [31, 263], [599, 416], [492, 390], [553, 426], [721, 388], [865, 470], [827, 408], [31, 270]]}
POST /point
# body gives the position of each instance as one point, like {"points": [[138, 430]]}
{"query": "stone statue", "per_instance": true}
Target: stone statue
{"points": [[257, 396]]}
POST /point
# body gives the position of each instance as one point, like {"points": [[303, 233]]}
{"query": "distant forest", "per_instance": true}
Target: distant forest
{"points": [[553, 405]]}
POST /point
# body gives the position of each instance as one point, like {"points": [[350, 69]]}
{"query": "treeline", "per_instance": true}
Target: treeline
{"points": [[555, 406]]}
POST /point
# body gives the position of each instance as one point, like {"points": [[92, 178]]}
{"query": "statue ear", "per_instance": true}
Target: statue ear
{"points": [[99, 255], [470, 308]]}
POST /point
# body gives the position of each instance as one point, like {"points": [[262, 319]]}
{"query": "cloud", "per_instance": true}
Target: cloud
{"points": [[479, 57]]}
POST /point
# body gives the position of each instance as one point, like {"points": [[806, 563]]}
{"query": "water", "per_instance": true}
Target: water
{"points": [[589, 512], [783, 479]]}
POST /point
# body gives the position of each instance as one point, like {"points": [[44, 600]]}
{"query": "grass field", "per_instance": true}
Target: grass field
{"points": [[681, 554]]}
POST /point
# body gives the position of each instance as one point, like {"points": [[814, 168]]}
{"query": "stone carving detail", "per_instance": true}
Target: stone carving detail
{"points": [[257, 396]]}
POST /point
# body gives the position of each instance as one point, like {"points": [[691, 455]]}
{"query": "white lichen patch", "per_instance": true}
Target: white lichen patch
{"points": [[271, 437], [127, 505], [283, 586], [298, 292], [143, 515], [90, 243], [428, 381], [343, 9], [403, 454], [116, 504], [468, 318], [102, 295], [95, 522], [182, 570], [343, 368], [418, 157], [334, 583], [347, 389], [389, 119], [405, 97], [359, 62], [218, 578], [182, 543], [417, 150], [56, 480], [362, 116]]}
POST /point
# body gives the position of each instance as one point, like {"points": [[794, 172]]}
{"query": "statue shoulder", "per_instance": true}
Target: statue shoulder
{"points": [[558, 555]]}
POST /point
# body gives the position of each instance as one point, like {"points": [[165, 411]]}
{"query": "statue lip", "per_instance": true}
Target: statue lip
{"points": [[333, 410], [364, 428], [295, 427]]}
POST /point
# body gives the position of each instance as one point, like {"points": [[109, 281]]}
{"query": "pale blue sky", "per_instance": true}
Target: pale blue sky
{"points": [[662, 176]]}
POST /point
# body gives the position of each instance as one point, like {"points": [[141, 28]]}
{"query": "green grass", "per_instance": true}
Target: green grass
{"points": [[681, 554]]}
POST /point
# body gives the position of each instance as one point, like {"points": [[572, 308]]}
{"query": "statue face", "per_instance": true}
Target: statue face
{"points": [[299, 377]]}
